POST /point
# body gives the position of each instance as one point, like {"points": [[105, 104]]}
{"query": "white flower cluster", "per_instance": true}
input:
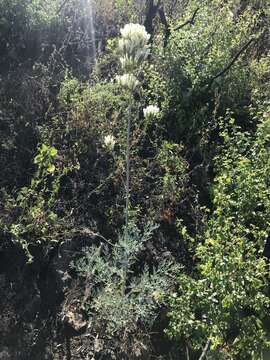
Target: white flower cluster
{"points": [[128, 81], [134, 49], [133, 46], [109, 142], [151, 112], [135, 31]]}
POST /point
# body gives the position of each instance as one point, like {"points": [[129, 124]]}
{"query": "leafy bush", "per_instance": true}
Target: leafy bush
{"points": [[37, 221], [225, 300]]}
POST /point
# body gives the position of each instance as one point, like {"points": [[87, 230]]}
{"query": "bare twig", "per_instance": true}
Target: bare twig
{"points": [[163, 18], [205, 349], [62, 6], [233, 60], [67, 39], [164, 22], [152, 9], [191, 21], [187, 352]]}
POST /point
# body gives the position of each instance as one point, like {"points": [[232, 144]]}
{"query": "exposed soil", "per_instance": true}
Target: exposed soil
{"points": [[40, 306]]}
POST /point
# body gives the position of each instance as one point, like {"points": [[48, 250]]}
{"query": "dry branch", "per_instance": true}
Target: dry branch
{"points": [[233, 60], [191, 21]]}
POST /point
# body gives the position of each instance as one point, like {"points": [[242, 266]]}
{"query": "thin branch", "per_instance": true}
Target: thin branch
{"points": [[62, 6], [163, 18], [205, 349], [234, 59], [164, 22], [191, 21], [67, 39], [187, 352]]}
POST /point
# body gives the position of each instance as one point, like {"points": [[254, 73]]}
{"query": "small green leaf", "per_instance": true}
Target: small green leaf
{"points": [[53, 151], [51, 168]]}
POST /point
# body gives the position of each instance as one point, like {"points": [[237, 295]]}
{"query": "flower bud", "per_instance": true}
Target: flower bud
{"points": [[109, 142], [128, 81], [151, 112]]}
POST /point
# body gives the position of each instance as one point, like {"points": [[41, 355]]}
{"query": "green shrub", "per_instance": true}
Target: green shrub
{"points": [[37, 221], [225, 300]]}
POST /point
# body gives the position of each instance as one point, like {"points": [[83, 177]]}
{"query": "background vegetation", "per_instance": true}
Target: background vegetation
{"points": [[188, 276]]}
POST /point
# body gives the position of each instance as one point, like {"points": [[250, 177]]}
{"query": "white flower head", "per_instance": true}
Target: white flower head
{"points": [[109, 142], [135, 32], [151, 112], [128, 81], [133, 46]]}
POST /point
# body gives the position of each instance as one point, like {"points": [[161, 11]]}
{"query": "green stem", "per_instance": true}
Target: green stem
{"points": [[128, 162]]}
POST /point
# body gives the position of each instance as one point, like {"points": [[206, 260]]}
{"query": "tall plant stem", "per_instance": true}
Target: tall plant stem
{"points": [[127, 186], [128, 161]]}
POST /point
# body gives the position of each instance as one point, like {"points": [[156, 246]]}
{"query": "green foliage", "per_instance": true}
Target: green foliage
{"points": [[217, 33], [122, 303], [37, 221], [198, 169], [95, 110], [225, 300], [175, 177], [181, 76], [20, 24]]}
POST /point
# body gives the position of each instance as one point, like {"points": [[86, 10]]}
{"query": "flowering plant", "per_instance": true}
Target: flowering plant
{"points": [[109, 142], [134, 49], [128, 81], [151, 112], [133, 46]]}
